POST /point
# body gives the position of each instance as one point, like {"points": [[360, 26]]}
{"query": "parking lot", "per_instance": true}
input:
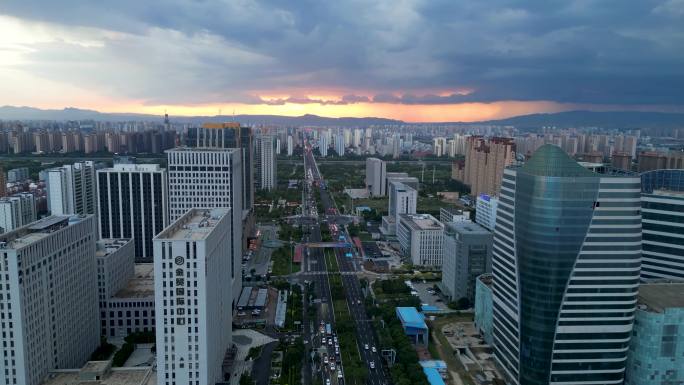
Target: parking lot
{"points": [[425, 297]]}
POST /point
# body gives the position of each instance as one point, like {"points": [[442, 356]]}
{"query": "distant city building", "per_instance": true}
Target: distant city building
{"points": [[453, 214], [567, 255], [376, 177], [17, 174], [621, 160], [655, 351], [193, 297], [290, 145], [209, 178], [17, 211], [48, 298], [483, 306], [323, 145], [265, 164], [439, 146], [3, 183], [403, 178], [133, 203], [402, 200], [662, 210], [485, 161], [649, 161], [485, 211], [71, 189], [467, 254], [339, 144], [421, 237]]}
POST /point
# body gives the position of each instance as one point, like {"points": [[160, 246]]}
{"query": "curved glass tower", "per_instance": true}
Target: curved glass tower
{"points": [[567, 255]]}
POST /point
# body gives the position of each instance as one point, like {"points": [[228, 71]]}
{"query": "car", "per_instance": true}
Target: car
{"points": [[323, 340], [372, 364], [332, 366], [365, 346], [339, 375], [374, 350], [330, 343], [327, 381], [241, 314], [358, 302], [325, 360]]}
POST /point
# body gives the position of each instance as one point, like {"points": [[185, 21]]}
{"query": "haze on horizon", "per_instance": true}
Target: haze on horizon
{"points": [[414, 60]]}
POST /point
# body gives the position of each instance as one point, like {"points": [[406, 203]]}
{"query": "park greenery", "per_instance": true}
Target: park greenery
{"points": [[282, 261]]}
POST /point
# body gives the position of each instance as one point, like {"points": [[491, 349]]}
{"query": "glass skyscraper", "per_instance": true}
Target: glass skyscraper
{"points": [[567, 256]]}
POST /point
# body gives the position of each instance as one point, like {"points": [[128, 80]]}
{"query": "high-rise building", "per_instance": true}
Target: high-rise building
{"points": [[229, 135], [621, 160], [655, 350], [265, 164], [467, 254], [48, 298], [17, 211], [339, 144], [209, 178], [439, 146], [17, 174], [662, 210], [290, 145], [485, 161], [420, 237], [133, 203], [402, 200], [193, 297], [567, 255], [376, 177], [485, 211], [3, 183], [71, 189], [323, 144]]}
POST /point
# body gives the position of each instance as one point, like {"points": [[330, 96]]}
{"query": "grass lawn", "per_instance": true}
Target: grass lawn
{"points": [[377, 204], [282, 265]]}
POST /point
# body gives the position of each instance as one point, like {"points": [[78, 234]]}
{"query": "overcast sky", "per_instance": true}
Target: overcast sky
{"points": [[414, 60]]}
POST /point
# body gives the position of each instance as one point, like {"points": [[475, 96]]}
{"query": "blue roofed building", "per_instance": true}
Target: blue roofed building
{"points": [[433, 376], [414, 325]]}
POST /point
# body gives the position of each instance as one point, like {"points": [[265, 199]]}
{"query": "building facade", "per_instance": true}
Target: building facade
{"points": [[485, 160], [48, 297], [662, 211], [421, 237], [467, 255], [483, 306], [71, 189], [376, 177], [485, 211], [17, 211], [133, 203], [209, 178], [567, 256], [266, 166], [193, 297], [656, 352]]}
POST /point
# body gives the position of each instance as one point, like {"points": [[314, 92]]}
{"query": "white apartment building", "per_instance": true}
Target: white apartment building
{"points": [[265, 163], [71, 189], [402, 200], [133, 203], [193, 297], [16, 211], [421, 237], [48, 298], [209, 178]]}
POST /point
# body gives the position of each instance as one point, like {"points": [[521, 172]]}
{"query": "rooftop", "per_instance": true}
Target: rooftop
{"points": [[552, 161], [36, 231], [132, 167], [487, 279], [669, 193], [660, 296], [467, 227], [433, 376], [108, 246], [422, 221], [410, 317], [116, 376], [142, 283], [202, 149], [195, 225]]}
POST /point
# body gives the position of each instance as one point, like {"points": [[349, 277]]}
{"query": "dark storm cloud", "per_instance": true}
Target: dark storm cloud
{"points": [[409, 52]]}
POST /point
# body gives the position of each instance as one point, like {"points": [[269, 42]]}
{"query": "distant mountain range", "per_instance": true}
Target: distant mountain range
{"points": [[616, 119]]}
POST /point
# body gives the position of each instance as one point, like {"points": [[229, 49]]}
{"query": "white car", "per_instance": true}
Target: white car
{"points": [[332, 366], [339, 374], [372, 364], [323, 340], [325, 360], [327, 381], [365, 346], [330, 343], [374, 351]]}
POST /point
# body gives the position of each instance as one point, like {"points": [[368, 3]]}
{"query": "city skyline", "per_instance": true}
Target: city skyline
{"points": [[413, 61]]}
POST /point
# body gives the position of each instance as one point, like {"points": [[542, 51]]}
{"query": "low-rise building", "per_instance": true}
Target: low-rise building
{"points": [[467, 254], [656, 350], [420, 237], [453, 214], [414, 325]]}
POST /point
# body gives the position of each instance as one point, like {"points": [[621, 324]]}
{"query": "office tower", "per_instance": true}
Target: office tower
{"points": [[662, 211], [655, 352], [339, 144], [133, 203], [229, 135], [485, 161], [401, 177], [567, 255], [402, 200], [323, 145], [485, 211], [265, 164], [376, 177], [209, 178], [17, 174], [193, 297], [290, 145], [467, 254], [17, 211], [48, 297], [420, 237], [3, 183], [71, 189]]}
